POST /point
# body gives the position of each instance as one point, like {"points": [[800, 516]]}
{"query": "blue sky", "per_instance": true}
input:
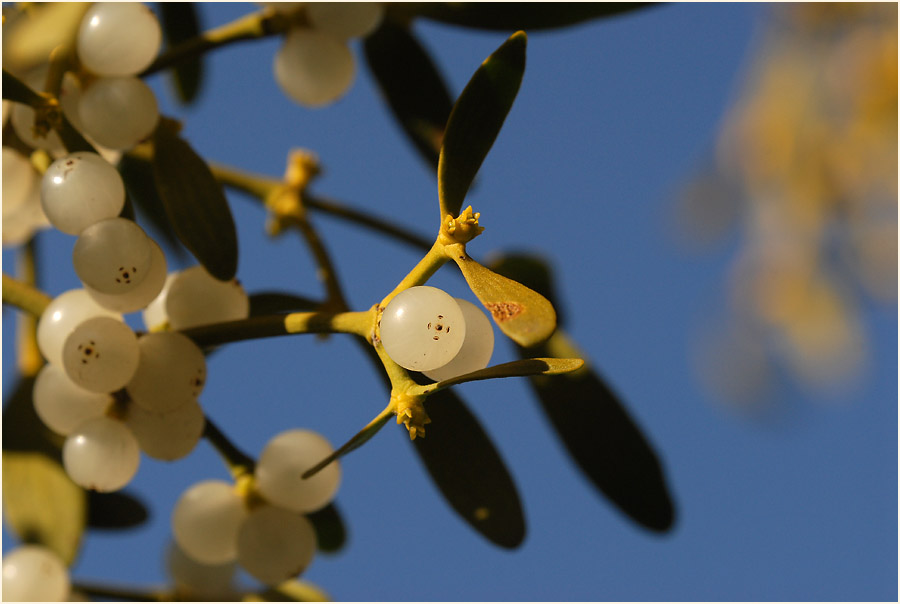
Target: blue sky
{"points": [[611, 117]]}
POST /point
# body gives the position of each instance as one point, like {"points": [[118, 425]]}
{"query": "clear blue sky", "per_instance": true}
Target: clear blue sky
{"points": [[610, 119]]}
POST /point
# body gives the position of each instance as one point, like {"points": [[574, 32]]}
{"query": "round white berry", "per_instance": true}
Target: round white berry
{"points": [[79, 190], [204, 582], [206, 521], [422, 328], [275, 544], [281, 466], [34, 573], [170, 374], [313, 68], [477, 348], [101, 454], [118, 38], [62, 404], [112, 256], [101, 354], [167, 435], [118, 112], [194, 297], [64, 313], [141, 295]]}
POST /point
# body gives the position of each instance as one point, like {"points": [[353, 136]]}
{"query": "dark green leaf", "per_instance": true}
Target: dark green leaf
{"points": [[592, 422], [269, 303], [112, 511], [18, 91], [412, 86], [330, 531], [511, 16], [179, 23], [195, 204], [141, 187], [469, 472], [476, 120]]}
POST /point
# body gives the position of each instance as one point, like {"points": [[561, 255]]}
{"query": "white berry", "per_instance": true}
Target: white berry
{"points": [[422, 328]]}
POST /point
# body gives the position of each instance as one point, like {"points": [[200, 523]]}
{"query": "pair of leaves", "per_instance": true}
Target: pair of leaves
{"points": [[593, 423]]}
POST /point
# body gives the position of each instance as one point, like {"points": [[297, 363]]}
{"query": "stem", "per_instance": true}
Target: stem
{"points": [[239, 463], [29, 355], [335, 208], [24, 296], [254, 184], [326, 267], [359, 323], [249, 27], [121, 593], [421, 272]]}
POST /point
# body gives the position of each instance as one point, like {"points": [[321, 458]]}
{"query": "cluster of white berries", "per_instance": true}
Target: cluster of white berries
{"points": [[314, 65], [424, 329], [92, 353], [265, 531]]}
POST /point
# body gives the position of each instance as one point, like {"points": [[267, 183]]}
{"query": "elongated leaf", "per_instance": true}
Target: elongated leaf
{"points": [[140, 184], [511, 16], [180, 22], [330, 531], [476, 120], [520, 312], [195, 204], [593, 423], [520, 368], [115, 511], [412, 86], [294, 590], [18, 91], [469, 472], [465, 466]]}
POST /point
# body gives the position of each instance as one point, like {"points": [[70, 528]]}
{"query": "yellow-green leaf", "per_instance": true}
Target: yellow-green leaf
{"points": [[294, 590], [195, 203], [357, 441], [521, 313], [520, 368], [41, 503], [476, 120]]}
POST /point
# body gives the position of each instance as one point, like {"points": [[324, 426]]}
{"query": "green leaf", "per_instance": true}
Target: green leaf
{"points": [[513, 16], [521, 313], [476, 120], [18, 91], [180, 22], [591, 420], [331, 535], [412, 86], [41, 503], [195, 204], [115, 511], [520, 368], [469, 472]]}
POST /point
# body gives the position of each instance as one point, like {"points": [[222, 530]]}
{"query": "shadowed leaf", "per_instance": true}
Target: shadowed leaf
{"points": [[469, 472], [592, 422], [412, 86], [520, 368], [112, 511], [476, 120], [330, 531], [521, 313], [195, 204], [141, 187], [511, 16], [180, 22]]}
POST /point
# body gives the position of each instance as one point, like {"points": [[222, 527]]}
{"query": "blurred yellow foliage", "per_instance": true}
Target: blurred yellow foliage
{"points": [[806, 164]]}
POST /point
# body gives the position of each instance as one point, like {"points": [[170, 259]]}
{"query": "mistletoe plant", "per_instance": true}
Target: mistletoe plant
{"points": [[77, 425]]}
